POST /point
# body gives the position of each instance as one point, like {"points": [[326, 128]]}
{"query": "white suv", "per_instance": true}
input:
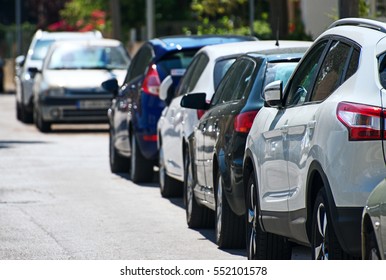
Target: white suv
{"points": [[37, 50], [315, 151]]}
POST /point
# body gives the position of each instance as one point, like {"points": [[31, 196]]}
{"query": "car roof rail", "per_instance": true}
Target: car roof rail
{"points": [[367, 23]]}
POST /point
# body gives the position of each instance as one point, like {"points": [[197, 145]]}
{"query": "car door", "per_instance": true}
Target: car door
{"points": [[202, 152], [216, 122], [134, 79], [173, 121], [275, 183], [337, 64]]}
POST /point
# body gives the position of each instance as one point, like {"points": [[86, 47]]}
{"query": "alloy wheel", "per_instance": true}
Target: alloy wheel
{"points": [[321, 238], [161, 169], [219, 207], [251, 223], [189, 188]]}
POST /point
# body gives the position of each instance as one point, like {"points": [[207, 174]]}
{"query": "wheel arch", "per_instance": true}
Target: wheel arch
{"points": [[216, 167], [316, 180], [248, 168], [366, 229]]}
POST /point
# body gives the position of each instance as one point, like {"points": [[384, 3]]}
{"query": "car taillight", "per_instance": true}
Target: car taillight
{"points": [[150, 138], [243, 122], [151, 82], [364, 122], [200, 113]]}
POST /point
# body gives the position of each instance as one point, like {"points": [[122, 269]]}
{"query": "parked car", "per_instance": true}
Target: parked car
{"points": [[68, 88], [37, 50], [315, 150], [176, 123], [214, 181], [374, 224], [137, 107]]}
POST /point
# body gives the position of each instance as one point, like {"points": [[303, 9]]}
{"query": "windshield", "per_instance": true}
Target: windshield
{"points": [[40, 49], [88, 57], [279, 71]]}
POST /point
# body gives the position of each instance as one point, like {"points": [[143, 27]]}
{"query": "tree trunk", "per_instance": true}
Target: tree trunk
{"points": [[348, 8], [278, 18]]}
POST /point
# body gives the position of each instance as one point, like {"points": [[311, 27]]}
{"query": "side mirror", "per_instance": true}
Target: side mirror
{"points": [[111, 85], [33, 71], [19, 60], [164, 87], [273, 93], [195, 101]]}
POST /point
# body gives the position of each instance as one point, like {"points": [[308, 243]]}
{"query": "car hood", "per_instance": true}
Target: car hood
{"points": [[81, 78]]}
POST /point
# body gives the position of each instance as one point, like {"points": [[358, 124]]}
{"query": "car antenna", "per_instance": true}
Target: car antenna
{"points": [[277, 32]]}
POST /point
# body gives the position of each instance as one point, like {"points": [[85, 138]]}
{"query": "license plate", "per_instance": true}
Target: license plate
{"points": [[94, 104]]}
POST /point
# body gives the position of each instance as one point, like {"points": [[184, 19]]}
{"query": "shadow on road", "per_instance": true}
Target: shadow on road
{"points": [[152, 184], [209, 234], [78, 128], [11, 143]]}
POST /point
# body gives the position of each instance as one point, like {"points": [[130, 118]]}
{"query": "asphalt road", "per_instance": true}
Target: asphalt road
{"points": [[59, 200]]}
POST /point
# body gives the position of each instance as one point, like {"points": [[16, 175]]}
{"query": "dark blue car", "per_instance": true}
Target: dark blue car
{"points": [[137, 107]]}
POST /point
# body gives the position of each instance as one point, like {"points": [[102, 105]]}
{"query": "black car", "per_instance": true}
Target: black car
{"points": [[218, 142], [137, 107]]}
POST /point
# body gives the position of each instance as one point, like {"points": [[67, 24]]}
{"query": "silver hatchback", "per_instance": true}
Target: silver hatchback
{"points": [[68, 88]]}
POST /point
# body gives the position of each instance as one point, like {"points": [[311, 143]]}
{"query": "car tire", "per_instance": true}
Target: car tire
{"points": [[41, 124], [229, 228], [371, 250], [262, 245], [118, 163], [169, 187], [324, 243], [22, 114], [196, 216], [141, 169], [18, 111]]}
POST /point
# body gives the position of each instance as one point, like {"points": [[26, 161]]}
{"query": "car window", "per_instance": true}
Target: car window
{"points": [[192, 74], [302, 81], [353, 64], [175, 61], [220, 69], [235, 82], [330, 74], [382, 69], [140, 62]]}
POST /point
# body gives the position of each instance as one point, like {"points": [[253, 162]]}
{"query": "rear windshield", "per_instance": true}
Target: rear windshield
{"points": [[175, 62]]}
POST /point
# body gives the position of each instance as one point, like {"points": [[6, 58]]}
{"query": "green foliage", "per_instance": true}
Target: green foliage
{"points": [[215, 9], [364, 8], [85, 14], [226, 17], [8, 37]]}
